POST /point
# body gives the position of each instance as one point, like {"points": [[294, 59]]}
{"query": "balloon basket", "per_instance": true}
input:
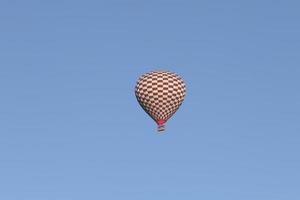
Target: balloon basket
{"points": [[161, 128]]}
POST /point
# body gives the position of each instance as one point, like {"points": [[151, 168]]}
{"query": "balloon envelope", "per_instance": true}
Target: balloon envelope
{"points": [[160, 94]]}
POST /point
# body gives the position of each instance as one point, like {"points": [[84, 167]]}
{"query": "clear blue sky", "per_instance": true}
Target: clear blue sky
{"points": [[70, 126]]}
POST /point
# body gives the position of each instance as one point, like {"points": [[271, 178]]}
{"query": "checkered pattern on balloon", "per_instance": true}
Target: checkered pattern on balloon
{"points": [[160, 94]]}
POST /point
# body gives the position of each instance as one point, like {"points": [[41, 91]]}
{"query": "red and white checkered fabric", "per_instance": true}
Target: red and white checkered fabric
{"points": [[160, 93]]}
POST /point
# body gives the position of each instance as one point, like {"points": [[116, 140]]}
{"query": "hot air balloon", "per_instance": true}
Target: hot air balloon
{"points": [[160, 94]]}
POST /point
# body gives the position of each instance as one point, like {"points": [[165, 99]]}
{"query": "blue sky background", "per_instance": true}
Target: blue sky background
{"points": [[71, 129]]}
